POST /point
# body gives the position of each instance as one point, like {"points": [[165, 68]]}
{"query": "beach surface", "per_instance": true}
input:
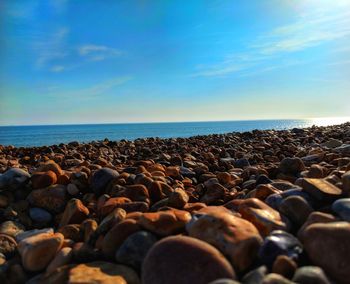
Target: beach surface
{"points": [[264, 206]]}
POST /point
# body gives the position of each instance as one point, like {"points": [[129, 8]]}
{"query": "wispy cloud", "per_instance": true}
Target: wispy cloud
{"points": [[57, 68], [98, 52], [318, 26]]}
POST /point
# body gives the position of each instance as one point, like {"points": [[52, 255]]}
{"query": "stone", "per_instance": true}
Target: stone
{"points": [[134, 249], [43, 179], [284, 266], [273, 278], [111, 204], [11, 228], [165, 223], [26, 234], [310, 275], [235, 237], [291, 166], [255, 276], [213, 193], [51, 166], [14, 178], [72, 232], [279, 243], [263, 191], [136, 192], [8, 245], [101, 178], [332, 143], [52, 199], [37, 251], [40, 216], [116, 216], [328, 246], [346, 183], [265, 218], [342, 208], [181, 259], [296, 208], [117, 235], [74, 213], [72, 189], [343, 149], [63, 257], [4, 201], [320, 189], [88, 227], [103, 273], [178, 198]]}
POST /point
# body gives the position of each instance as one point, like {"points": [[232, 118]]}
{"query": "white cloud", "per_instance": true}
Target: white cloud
{"points": [[319, 24], [57, 68], [97, 52]]}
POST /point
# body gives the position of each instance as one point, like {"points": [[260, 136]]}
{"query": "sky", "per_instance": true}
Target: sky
{"points": [[92, 61]]}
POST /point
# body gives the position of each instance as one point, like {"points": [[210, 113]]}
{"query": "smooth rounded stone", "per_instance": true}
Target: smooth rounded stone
{"points": [[310, 275], [343, 149], [235, 237], [320, 189], [11, 228], [136, 192], [279, 243], [346, 183], [316, 171], [8, 245], [116, 216], [342, 208], [273, 278], [52, 199], [181, 259], [37, 251], [265, 218], [101, 178], [283, 185], [213, 193], [111, 204], [165, 223], [328, 246], [332, 143], [263, 191], [314, 218], [178, 198], [284, 266], [255, 276], [43, 179], [85, 252], [50, 166], [224, 281], [63, 257], [72, 189], [291, 166], [88, 227], [103, 273], [26, 234], [134, 249], [72, 232], [74, 213], [4, 201], [117, 235], [14, 178], [296, 191], [274, 200], [296, 208], [39, 215], [241, 163]]}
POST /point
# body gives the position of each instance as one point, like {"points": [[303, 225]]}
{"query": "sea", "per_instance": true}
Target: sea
{"points": [[45, 135]]}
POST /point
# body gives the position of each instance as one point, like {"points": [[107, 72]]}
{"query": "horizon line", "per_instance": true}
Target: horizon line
{"points": [[188, 121]]}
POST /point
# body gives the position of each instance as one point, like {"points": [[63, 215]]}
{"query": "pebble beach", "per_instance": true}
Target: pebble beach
{"points": [[264, 206]]}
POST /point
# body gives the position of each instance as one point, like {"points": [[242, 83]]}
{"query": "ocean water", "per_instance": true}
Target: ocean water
{"points": [[24, 136]]}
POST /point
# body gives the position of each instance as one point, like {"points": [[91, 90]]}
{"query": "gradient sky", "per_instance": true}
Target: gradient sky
{"points": [[92, 61]]}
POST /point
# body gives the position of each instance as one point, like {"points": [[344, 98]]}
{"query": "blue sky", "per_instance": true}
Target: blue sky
{"points": [[65, 61]]}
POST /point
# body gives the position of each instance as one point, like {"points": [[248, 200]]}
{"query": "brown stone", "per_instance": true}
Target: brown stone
{"points": [[178, 198], [51, 166], [74, 213], [43, 179], [235, 237], [265, 218], [165, 223], [8, 245], [63, 257], [328, 246], [181, 259], [72, 232], [37, 251], [284, 266], [111, 204], [320, 189]]}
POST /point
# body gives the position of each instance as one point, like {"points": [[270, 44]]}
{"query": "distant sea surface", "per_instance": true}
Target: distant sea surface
{"points": [[25, 136]]}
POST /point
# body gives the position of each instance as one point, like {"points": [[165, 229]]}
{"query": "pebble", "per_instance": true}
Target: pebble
{"points": [[279, 243], [320, 189], [11, 228], [37, 251], [284, 266], [255, 276], [291, 166], [43, 179], [14, 178], [328, 246], [40, 216], [8, 245], [72, 189], [342, 208], [310, 275], [235, 237], [296, 208], [101, 179], [74, 213], [180, 259], [134, 249], [63, 257]]}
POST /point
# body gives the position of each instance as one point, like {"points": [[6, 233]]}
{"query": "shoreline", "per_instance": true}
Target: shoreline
{"points": [[272, 203]]}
